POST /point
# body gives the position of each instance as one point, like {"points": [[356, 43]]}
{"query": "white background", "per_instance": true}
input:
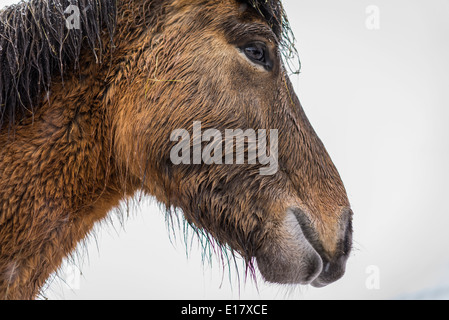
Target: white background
{"points": [[379, 101]]}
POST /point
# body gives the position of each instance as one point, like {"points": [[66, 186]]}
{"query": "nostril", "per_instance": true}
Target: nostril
{"points": [[347, 242], [309, 232], [344, 234], [333, 265]]}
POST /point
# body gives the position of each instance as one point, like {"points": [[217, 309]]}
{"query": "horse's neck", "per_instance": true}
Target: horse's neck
{"points": [[56, 173], [55, 182]]}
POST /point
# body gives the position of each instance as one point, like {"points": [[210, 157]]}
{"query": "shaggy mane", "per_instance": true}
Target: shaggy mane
{"points": [[36, 46]]}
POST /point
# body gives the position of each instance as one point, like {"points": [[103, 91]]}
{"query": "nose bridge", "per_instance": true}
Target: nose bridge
{"points": [[308, 164]]}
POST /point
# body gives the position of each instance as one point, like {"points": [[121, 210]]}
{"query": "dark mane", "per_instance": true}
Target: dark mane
{"points": [[36, 45], [273, 12]]}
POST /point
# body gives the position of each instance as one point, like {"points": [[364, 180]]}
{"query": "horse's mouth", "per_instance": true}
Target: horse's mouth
{"points": [[301, 259]]}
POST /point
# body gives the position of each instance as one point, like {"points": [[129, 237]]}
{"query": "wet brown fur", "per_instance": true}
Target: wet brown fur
{"points": [[103, 133]]}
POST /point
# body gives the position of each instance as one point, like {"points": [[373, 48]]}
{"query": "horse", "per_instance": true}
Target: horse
{"points": [[91, 92]]}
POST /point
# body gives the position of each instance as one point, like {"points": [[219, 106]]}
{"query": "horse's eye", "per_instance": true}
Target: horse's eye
{"points": [[255, 52], [258, 53]]}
